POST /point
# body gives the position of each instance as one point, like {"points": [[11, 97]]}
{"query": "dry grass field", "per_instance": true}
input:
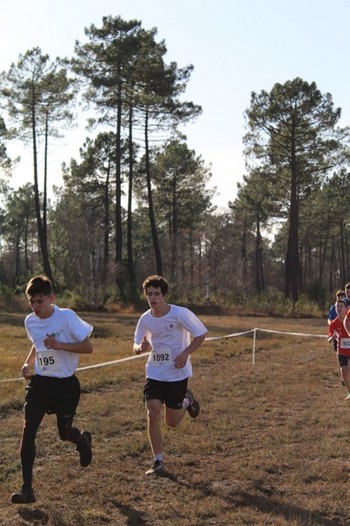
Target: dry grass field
{"points": [[270, 447]]}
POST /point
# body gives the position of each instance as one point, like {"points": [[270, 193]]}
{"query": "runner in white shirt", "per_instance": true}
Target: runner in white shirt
{"points": [[166, 330], [58, 337]]}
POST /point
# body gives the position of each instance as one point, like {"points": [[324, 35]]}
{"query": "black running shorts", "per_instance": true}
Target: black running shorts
{"points": [[170, 393]]}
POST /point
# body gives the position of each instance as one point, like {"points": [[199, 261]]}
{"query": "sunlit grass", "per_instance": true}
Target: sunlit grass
{"points": [[269, 448]]}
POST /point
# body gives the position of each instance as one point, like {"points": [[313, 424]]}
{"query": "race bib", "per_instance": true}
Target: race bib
{"points": [[345, 343], [47, 362], [160, 356]]}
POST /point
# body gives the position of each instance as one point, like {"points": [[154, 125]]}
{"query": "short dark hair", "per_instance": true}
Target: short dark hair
{"points": [[342, 301], [156, 281], [39, 285], [340, 293]]}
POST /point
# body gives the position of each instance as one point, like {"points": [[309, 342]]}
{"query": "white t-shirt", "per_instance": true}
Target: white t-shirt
{"points": [[64, 325], [168, 335]]}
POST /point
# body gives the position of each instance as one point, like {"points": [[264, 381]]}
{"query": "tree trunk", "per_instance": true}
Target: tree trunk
{"points": [[118, 205], [157, 253], [244, 275], [323, 252], [130, 262], [259, 268], [106, 225], [174, 232], [292, 265], [41, 232], [342, 253]]}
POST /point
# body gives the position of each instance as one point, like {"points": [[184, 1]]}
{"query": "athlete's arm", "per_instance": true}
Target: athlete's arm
{"points": [[346, 323], [181, 359], [144, 346], [84, 347], [28, 363]]}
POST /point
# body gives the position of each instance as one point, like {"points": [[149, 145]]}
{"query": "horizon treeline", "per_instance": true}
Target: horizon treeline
{"points": [[138, 202]]}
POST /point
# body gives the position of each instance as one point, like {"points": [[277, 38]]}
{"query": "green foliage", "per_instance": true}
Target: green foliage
{"points": [[37, 94], [306, 308], [128, 208], [316, 293], [6, 293], [276, 304], [292, 135], [180, 193]]}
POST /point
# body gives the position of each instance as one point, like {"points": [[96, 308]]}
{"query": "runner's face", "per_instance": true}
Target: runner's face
{"points": [[41, 305], [155, 297], [340, 308]]}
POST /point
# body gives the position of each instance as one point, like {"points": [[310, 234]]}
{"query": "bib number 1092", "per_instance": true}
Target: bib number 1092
{"points": [[159, 358]]}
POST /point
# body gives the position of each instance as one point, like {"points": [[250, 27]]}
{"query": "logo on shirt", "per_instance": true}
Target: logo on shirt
{"points": [[55, 334]]}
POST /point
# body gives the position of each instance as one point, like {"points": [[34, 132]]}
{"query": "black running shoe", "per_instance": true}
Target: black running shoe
{"points": [[157, 468], [194, 406], [24, 496], [85, 450]]}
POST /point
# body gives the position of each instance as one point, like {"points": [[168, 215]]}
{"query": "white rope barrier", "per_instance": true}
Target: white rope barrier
{"points": [[281, 332], [113, 362], [293, 333], [11, 380], [212, 338]]}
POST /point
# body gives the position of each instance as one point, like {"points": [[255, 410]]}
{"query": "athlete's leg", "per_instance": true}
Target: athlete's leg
{"points": [[34, 411], [65, 429], [68, 395], [154, 407], [173, 417], [346, 375], [175, 402]]}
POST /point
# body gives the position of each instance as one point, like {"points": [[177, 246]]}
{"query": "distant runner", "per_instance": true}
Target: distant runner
{"points": [[338, 331]]}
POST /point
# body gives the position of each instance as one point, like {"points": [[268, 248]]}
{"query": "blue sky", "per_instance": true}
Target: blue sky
{"points": [[236, 47]]}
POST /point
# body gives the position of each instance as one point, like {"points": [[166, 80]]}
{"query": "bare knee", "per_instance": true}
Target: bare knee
{"points": [[153, 415]]}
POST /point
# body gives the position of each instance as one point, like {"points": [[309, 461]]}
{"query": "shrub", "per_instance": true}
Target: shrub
{"points": [[316, 292]]}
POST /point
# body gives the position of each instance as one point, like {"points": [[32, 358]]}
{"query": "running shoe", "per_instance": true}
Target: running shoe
{"points": [[24, 496], [85, 450], [157, 468], [194, 406]]}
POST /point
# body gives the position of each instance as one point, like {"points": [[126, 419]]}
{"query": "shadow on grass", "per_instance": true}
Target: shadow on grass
{"points": [[266, 504], [237, 499], [134, 518], [33, 516], [288, 511]]}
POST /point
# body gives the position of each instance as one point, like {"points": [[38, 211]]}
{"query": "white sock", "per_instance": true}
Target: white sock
{"points": [[186, 403]]}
